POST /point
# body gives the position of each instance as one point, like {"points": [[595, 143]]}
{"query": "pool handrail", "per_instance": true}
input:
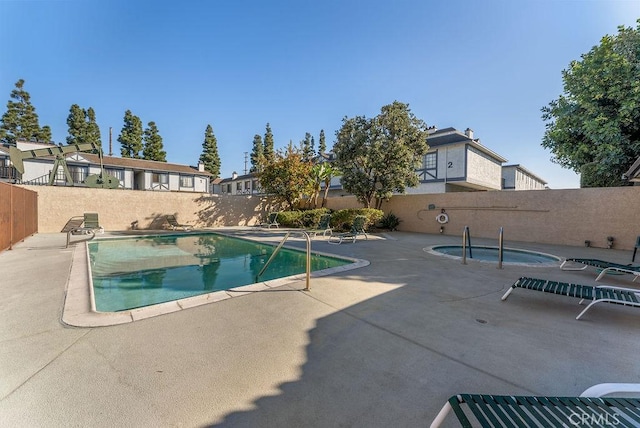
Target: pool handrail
{"points": [[308, 258]]}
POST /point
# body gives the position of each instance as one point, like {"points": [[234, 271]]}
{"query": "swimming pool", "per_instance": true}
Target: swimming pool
{"points": [[136, 272], [490, 254]]}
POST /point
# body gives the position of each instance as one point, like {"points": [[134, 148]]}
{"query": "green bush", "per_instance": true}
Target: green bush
{"points": [[298, 218], [390, 221], [341, 220]]}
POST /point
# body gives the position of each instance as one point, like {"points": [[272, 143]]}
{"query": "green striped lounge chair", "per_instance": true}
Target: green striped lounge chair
{"points": [[357, 229], [592, 293], [604, 266], [592, 408]]}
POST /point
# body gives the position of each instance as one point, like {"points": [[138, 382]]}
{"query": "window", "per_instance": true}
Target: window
{"points": [[429, 161], [186, 181], [239, 186], [117, 173], [229, 188], [254, 186], [159, 178]]}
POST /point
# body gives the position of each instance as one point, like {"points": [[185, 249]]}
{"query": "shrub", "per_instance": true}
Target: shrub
{"points": [[390, 221], [342, 220], [306, 218]]}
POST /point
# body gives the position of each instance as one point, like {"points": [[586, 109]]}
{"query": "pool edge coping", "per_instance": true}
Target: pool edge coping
{"points": [[79, 310], [431, 250]]}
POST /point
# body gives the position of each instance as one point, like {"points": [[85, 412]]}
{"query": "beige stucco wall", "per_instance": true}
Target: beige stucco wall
{"points": [[567, 217], [118, 208]]}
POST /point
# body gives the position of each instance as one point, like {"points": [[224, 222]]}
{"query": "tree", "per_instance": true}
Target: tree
{"points": [[20, 121], [210, 157], [257, 154], [330, 171], [93, 130], [269, 153], [321, 173], [379, 156], [287, 177], [594, 126], [322, 144], [77, 125], [153, 148], [82, 126], [131, 136], [307, 147]]}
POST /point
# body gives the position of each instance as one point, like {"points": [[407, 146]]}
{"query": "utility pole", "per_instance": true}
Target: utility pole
{"points": [[245, 162], [110, 146]]}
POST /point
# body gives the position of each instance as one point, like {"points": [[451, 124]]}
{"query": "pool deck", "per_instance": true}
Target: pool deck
{"points": [[382, 345]]}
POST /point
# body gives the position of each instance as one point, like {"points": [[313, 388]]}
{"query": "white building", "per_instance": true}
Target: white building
{"points": [[247, 184], [455, 162], [136, 174], [517, 177]]}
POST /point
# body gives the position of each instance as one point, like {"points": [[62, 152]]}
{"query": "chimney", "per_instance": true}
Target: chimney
{"points": [[469, 133], [234, 175], [201, 166]]}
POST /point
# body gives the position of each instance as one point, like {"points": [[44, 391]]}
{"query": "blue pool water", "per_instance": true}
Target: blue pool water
{"points": [[509, 255], [135, 272]]}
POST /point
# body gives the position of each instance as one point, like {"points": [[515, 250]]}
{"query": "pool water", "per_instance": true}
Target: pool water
{"points": [[509, 255], [135, 272]]}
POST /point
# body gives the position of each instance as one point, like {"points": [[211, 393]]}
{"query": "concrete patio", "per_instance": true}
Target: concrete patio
{"points": [[382, 345]]}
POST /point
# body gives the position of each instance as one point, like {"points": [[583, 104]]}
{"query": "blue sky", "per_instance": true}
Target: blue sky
{"points": [[302, 66]]}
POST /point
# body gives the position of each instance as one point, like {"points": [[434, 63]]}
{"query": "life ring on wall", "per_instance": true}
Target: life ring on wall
{"points": [[442, 218]]}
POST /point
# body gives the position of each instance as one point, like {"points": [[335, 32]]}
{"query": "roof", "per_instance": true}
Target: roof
{"points": [[634, 172], [149, 165], [446, 136], [526, 171], [251, 175]]}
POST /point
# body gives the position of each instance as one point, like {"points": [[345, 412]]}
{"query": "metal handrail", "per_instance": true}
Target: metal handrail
{"points": [[93, 235], [466, 238], [500, 247], [280, 245]]}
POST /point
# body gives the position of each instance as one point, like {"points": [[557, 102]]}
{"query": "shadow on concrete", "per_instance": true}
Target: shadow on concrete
{"points": [[394, 359]]}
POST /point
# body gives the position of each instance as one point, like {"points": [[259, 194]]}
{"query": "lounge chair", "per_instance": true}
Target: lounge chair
{"points": [[324, 226], [357, 228], [272, 221], [593, 293], [607, 267], [90, 224], [590, 409], [173, 223]]}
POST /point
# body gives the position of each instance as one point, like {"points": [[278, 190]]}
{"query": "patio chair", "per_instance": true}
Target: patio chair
{"points": [[591, 408], [606, 267], [324, 226], [90, 224], [272, 221], [593, 293], [357, 228], [173, 223]]}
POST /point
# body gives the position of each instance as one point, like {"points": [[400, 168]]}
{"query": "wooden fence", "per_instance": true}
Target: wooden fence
{"points": [[18, 214]]}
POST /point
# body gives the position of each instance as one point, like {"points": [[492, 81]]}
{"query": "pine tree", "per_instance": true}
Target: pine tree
{"points": [[20, 121], [322, 145], [77, 125], [307, 147], [82, 126], [153, 149], [131, 136], [257, 154], [93, 130], [269, 153], [210, 156]]}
